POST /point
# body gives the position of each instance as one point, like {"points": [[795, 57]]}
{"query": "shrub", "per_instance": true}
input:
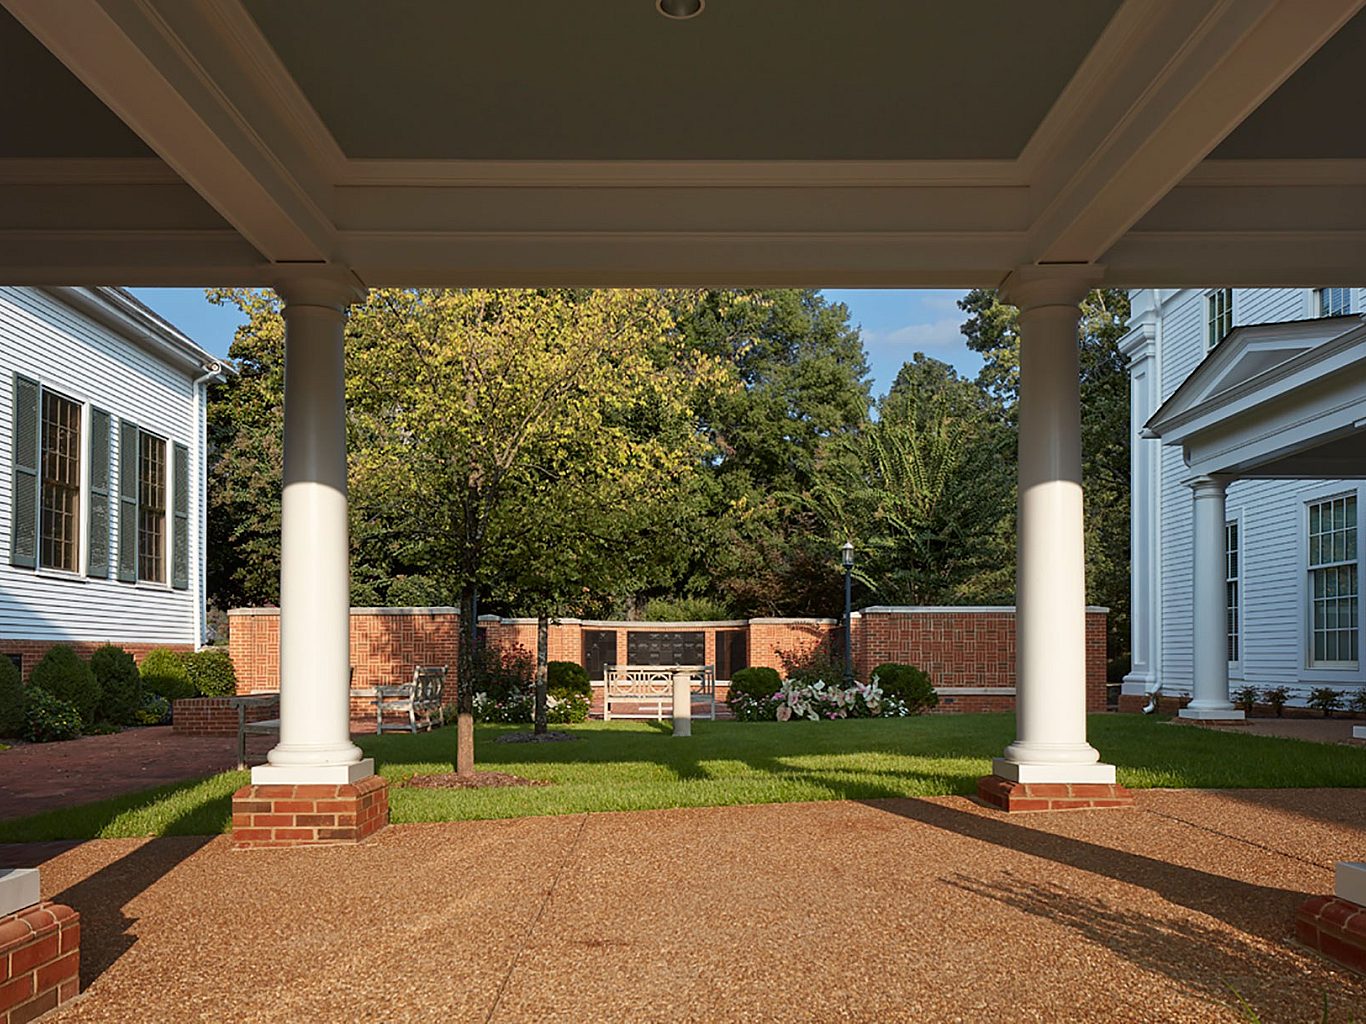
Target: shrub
{"points": [[566, 679], [819, 665], [1358, 702], [66, 676], [210, 672], [684, 609], [908, 684], [120, 684], [1275, 697], [501, 671], [1326, 699], [1245, 697], [155, 710], [751, 693], [163, 672], [566, 707], [48, 718], [11, 699], [817, 701]]}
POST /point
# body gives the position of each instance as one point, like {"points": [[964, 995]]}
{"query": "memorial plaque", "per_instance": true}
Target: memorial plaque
{"points": [[651, 647]]}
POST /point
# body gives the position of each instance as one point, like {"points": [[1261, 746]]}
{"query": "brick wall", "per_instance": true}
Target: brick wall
{"points": [[966, 651], [214, 716], [40, 960], [32, 651]]}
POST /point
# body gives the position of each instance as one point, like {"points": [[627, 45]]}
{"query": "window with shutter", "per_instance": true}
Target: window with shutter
{"points": [[180, 528], [24, 526], [59, 545], [151, 508], [97, 544]]}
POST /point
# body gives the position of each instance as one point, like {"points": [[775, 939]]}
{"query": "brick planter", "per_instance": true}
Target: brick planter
{"points": [[270, 816], [1336, 928], [40, 961], [1051, 796]]}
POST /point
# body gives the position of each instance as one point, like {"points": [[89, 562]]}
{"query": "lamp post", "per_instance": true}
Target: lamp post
{"points": [[847, 557]]}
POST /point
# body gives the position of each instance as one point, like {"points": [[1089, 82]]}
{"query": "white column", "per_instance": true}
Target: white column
{"points": [[1050, 612], [1145, 393], [1209, 593], [315, 621]]}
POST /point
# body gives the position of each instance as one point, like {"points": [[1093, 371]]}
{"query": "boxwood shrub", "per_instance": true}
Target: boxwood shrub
{"points": [[120, 684], [65, 675], [210, 672], [11, 699], [565, 678], [48, 718], [907, 683], [163, 672]]}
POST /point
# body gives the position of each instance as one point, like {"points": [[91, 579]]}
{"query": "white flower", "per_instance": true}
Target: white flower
{"points": [[784, 713]]}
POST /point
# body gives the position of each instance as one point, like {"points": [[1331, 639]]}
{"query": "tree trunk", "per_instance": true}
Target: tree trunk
{"points": [[464, 727], [542, 668]]}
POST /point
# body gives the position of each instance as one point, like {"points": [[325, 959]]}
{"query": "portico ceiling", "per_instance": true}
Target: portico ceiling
{"points": [[869, 142]]}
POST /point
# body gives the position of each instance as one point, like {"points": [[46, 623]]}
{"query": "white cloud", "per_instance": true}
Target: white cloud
{"points": [[919, 337]]}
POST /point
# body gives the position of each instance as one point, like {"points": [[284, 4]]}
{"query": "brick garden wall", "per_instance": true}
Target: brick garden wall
{"points": [[968, 652], [213, 716]]}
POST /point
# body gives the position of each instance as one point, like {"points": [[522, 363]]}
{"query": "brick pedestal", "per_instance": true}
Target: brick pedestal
{"points": [[1336, 928], [309, 815], [40, 961], [1051, 796]]}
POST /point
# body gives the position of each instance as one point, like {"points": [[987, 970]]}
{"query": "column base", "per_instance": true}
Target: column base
{"points": [[309, 815], [1211, 714], [312, 774], [1334, 927], [1011, 796], [42, 946], [1359, 732]]}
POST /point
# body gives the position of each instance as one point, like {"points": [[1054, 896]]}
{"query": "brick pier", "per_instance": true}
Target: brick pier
{"points": [[40, 961], [312, 815]]}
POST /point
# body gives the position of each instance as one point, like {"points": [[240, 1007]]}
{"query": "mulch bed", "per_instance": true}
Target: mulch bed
{"points": [[479, 780], [531, 737]]}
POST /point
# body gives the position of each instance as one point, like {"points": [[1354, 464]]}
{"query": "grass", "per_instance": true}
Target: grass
{"points": [[638, 765]]}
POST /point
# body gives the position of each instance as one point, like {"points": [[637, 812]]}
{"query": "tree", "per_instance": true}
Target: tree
{"points": [[992, 330]]}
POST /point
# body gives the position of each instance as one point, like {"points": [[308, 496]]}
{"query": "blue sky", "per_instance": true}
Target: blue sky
{"points": [[895, 325]]}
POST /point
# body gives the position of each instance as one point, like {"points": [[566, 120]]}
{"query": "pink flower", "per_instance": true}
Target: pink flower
{"points": [[784, 713]]}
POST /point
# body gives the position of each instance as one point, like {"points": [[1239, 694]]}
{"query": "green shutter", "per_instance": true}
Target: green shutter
{"points": [[180, 531], [128, 501], [97, 547], [24, 528]]}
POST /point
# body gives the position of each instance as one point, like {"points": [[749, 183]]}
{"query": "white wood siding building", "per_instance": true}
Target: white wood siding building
{"points": [[102, 502], [1276, 634]]}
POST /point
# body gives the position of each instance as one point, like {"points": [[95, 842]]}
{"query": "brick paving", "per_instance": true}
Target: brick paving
{"points": [[899, 910]]}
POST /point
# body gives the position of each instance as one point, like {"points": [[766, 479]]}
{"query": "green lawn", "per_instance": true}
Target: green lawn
{"points": [[638, 765]]}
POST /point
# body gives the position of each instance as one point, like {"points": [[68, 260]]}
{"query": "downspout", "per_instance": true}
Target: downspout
{"points": [[1153, 694], [214, 371]]}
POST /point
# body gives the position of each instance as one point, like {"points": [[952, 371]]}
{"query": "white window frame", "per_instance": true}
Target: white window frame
{"points": [[1215, 316], [1235, 520], [168, 513], [1331, 672], [83, 472], [1324, 306]]}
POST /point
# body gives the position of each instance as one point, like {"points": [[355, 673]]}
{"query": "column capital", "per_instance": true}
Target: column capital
{"points": [[1032, 287], [1211, 485], [331, 287]]}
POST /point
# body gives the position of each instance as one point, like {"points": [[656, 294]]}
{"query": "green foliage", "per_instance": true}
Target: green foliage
{"points": [[1245, 697], [155, 710], [1276, 697], [1358, 702], [1326, 699], [210, 672], [120, 684], [566, 679], [65, 675], [11, 699], [501, 672], [48, 718], [164, 673], [753, 688], [685, 609], [102, 729], [820, 663], [907, 683]]}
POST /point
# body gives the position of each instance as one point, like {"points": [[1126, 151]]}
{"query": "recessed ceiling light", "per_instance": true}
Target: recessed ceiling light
{"points": [[680, 10]]}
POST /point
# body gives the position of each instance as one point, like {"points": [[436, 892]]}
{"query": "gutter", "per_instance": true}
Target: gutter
{"points": [[200, 431]]}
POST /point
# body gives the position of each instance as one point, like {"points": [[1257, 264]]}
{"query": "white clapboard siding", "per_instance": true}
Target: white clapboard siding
{"points": [[1274, 575], [64, 350]]}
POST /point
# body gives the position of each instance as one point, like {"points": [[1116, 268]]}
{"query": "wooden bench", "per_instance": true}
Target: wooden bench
{"points": [[269, 725], [420, 702], [650, 689]]}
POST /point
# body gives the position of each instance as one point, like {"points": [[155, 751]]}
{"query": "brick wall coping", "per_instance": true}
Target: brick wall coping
{"points": [[435, 610], [976, 691], [796, 622], [936, 609]]}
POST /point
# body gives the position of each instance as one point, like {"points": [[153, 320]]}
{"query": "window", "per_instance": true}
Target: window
{"points": [[151, 508], [1218, 315], [60, 500], [1333, 582], [1335, 301], [1231, 585]]}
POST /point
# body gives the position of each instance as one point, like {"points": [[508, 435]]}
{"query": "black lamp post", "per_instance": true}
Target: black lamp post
{"points": [[847, 557]]}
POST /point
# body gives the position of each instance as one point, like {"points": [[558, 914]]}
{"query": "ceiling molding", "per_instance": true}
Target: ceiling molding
{"points": [[1274, 173], [101, 171]]}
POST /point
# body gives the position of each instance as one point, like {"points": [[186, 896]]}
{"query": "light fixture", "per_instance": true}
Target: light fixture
{"points": [[847, 553], [680, 10]]}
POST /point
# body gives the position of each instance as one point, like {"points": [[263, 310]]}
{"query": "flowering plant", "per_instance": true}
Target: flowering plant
{"points": [[816, 701]]}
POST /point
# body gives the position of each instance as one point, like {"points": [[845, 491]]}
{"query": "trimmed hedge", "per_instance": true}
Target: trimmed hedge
{"points": [[565, 679], [120, 684], [210, 672], [164, 673], [11, 699], [65, 675], [907, 683], [756, 684]]}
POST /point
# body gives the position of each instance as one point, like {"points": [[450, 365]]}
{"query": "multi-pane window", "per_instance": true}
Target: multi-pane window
{"points": [[1218, 315], [151, 508], [1231, 586], [1333, 581], [1335, 301], [60, 500]]}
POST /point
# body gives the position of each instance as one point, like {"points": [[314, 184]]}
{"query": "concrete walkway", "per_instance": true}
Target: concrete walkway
{"points": [[903, 910]]}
